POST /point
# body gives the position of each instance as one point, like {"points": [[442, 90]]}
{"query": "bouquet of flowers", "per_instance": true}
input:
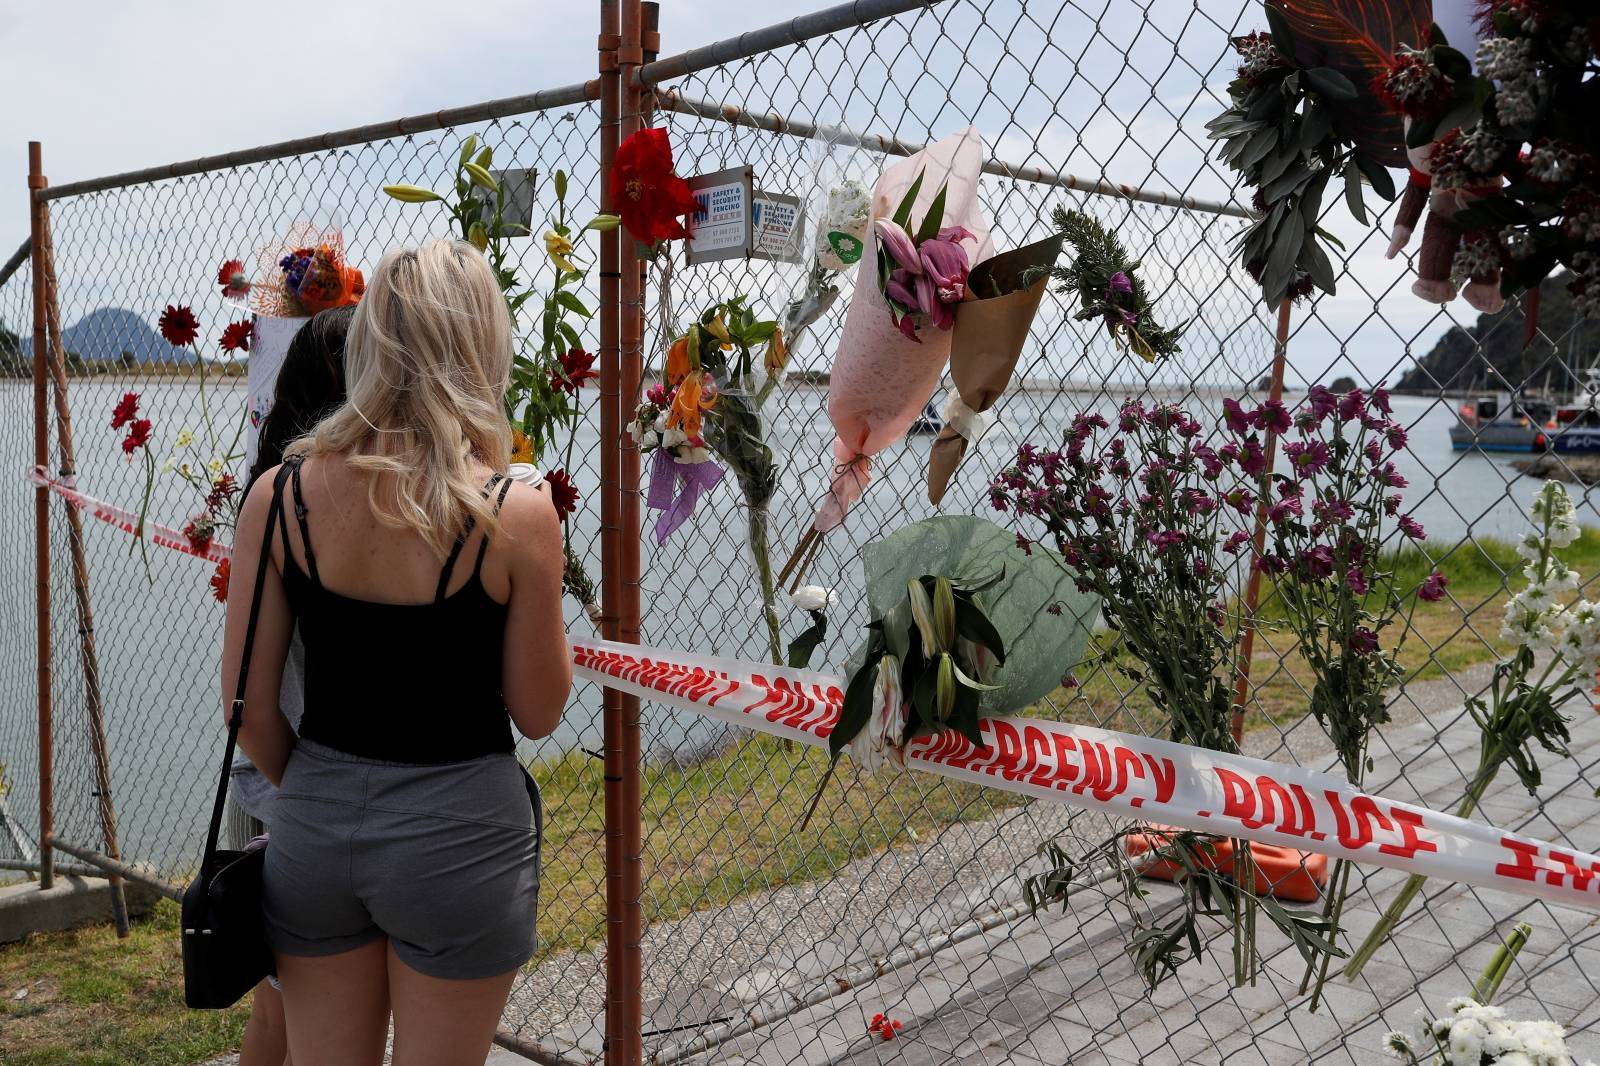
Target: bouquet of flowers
{"points": [[1338, 594], [308, 274], [1524, 702], [1108, 288], [841, 238], [710, 405], [1288, 131], [1153, 542]]}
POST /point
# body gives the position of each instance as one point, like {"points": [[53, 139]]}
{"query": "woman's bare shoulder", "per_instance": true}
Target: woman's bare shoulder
{"points": [[529, 513]]}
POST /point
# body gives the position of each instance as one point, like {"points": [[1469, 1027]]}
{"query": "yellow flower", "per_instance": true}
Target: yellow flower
{"points": [[216, 466], [718, 328], [169, 464], [185, 438], [558, 248], [521, 447], [185, 471], [777, 353]]}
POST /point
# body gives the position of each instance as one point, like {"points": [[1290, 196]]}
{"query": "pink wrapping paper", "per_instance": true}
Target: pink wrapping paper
{"points": [[881, 379]]}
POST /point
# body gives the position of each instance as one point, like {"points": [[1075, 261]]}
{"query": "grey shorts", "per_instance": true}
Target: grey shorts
{"points": [[443, 860]]}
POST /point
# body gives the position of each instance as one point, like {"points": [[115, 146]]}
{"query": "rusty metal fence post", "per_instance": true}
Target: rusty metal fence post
{"points": [[41, 505]]}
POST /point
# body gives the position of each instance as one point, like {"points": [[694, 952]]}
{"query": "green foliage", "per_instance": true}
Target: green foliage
{"points": [[1285, 133], [1099, 256]]}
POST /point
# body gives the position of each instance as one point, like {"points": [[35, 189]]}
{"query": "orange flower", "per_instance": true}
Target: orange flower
{"points": [[678, 360], [688, 404]]}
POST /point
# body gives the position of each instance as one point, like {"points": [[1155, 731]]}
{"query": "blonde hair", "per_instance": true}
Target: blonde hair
{"points": [[427, 362]]}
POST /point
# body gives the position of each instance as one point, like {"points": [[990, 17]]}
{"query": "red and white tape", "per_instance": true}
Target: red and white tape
{"points": [[1127, 776], [125, 520]]}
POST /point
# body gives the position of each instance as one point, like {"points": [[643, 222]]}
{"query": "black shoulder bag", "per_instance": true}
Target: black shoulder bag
{"points": [[225, 951]]}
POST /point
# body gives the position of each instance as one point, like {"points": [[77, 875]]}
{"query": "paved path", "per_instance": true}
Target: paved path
{"points": [[1062, 990]]}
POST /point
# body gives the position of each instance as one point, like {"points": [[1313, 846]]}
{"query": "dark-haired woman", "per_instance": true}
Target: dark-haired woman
{"points": [[310, 384]]}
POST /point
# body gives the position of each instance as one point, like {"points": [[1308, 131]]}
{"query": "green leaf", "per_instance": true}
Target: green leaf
{"points": [[1314, 261], [902, 214], [856, 710], [572, 303], [1352, 192], [1331, 84], [1317, 125], [934, 219], [803, 646], [1282, 36], [1378, 176], [973, 624]]}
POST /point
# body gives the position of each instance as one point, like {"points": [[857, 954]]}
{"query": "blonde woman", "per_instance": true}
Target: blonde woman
{"points": [[402, 870]]}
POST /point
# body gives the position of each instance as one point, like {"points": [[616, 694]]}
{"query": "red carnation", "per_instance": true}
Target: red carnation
{"points": [[575, 370], [219, 580], [126, 408], [199, 532], [562, 493], [236, 338], [646, 192], [179, 326], [231, 278], [138, 436]]}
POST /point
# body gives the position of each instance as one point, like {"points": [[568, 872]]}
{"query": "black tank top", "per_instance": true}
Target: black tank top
{"points": [[412, 683]]}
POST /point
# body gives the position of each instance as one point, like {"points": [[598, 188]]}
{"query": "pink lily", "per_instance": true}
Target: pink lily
{"points": [[945, 262], [899, 245], [957, 233], [899, 288]]}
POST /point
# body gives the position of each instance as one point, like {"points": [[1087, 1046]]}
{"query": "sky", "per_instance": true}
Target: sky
{"points": [[1114, 88]]}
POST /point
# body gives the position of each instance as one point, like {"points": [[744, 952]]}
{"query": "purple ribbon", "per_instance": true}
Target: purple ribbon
{"points": [[676, 488]]}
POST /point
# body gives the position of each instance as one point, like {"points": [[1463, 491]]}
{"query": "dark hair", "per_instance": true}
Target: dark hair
{"points": [[310, 385]]}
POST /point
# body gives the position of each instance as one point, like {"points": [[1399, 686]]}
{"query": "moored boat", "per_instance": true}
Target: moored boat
{"points": [[1499, 424]]}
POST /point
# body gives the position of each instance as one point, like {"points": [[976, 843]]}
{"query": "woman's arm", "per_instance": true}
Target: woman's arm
{"points": [[265, 734], [538, 664]]}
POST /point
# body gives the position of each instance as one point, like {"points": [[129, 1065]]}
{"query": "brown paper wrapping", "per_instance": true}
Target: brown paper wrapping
{"points": [[987, 342]]}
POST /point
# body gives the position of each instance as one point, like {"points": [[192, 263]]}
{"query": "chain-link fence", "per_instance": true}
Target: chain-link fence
{"points": [[904, 896]]}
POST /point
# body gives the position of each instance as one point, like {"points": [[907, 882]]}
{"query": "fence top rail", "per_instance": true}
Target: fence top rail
{"points": [[18, 257], [888, 144], [780, 35], [504, 107]]}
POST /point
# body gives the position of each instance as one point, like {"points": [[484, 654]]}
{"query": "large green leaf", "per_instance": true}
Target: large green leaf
{"points": [[1039, 646]]}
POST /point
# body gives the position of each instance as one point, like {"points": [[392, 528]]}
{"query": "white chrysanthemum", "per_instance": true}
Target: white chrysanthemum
{"points": [[1399, 1045], [1460, 1003], [1466, 1041], [813, 597], [1502, 1038], [1514, 1058]]}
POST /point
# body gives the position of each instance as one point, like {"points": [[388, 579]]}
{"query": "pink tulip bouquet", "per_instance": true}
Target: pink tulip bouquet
{"points": [[922, 276]]}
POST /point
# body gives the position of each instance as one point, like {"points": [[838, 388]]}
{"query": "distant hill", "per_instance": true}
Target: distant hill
{"points": [[106, 333], [1467, 359]]}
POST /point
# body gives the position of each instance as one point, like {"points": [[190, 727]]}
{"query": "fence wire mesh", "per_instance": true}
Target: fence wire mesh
{"points": [[904, 896]]}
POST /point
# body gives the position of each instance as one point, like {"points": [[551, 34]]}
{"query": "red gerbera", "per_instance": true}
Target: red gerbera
{"points": [[575, 370], [219, 580], [199, 532], [562, 493], [138, 436], [179, 326], [231, 278], [126, 408], [236, 338], [646, 192]]}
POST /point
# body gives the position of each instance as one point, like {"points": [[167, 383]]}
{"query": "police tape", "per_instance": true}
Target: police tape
{"points": [[1155, 781], [125, 520]]}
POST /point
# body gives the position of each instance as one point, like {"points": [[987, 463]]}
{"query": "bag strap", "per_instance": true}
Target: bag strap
{"points": [[236, 718]]}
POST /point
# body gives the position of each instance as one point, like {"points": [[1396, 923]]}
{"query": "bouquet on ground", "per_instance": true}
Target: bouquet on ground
{"points": [[1140, 520], [719, 374], [1524, 704], [1338, 594], [841, 238], [1472, 1031]]}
